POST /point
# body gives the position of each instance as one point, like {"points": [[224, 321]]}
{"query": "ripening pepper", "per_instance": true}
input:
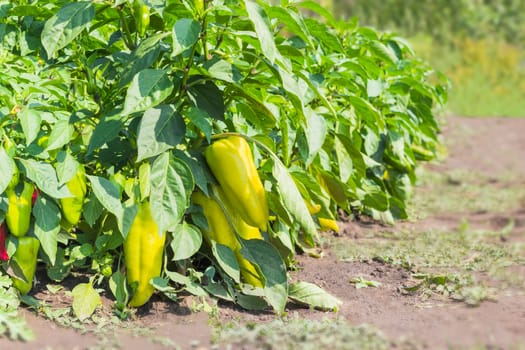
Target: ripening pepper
{"points": [[248, 272], [3, 236], [141, 15], [34, 197], [18, 216], [72, 206], [143, 250], [26, 257], [231, 162], [221, 232], [219, 229]]}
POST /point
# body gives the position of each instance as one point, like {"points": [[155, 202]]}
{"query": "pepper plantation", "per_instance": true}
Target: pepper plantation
{"points": [[167, 148]]}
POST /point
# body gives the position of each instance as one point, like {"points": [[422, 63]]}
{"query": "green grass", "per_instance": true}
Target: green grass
{"points": [[464, 264], [476, 96], [487, 76], [459, 260], [294, 333], [461, 191]]}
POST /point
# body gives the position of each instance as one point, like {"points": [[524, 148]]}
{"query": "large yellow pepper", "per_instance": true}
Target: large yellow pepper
{"points": [[231, 162], [72, 206], [18, 216], [143, 250], [244, 230], [26, 255], [248, 271], [220, 231]]}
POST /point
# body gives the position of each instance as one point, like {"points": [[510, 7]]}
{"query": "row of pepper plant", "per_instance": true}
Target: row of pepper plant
{"points": [[197, 146]]}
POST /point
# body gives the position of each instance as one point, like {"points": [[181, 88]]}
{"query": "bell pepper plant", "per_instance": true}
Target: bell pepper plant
{"points": [[199, 138]]}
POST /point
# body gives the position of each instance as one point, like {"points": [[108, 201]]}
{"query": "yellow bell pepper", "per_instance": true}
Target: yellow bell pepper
{"points": [[72, 206], [231, 162], [220, 231], [18, 216], [143, 251]]}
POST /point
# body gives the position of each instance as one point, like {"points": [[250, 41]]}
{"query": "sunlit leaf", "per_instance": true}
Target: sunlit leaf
{"points": [[85, 300]]}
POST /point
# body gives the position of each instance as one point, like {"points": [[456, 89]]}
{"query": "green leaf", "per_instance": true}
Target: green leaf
{"points": [[316, 7], [374, 88], [12, 325], [207, 97], [66, 25], [196, 162], [375, 196], [361, 282], [227, 260], [30, 120], [186, 32], [292, 20], [47, 225], [344, 161], [119, 289], [236, 92], [161, 128], [201, 119], [149, 87], [187, 240], [67, 167], [273, 269], [143, 57], [107, 194], [367, 111], [314, 296], [293, 202], [171, 183], [261, 24], [61, 269], [357, 162], [85, 300], [251, 302], [92, 209], [162, 285], [295, 90], [106, 130], [382, 51], [44, 176], [223, 70], [329, 41], [7, 169], [316, 131], [190, 285], [144, 180], [126, 221], [60, 135]]}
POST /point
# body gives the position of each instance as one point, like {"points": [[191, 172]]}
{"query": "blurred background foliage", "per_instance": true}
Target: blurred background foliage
{"points": [[478, 44]]}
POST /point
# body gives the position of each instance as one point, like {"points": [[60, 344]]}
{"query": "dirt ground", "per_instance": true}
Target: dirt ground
{"points": [[492, 147]]}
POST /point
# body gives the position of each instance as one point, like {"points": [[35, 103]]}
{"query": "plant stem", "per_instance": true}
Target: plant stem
{"points": [[128, 40]]}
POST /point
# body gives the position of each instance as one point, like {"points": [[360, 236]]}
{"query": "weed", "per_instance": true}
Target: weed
{"points": [[447, 263], [294, 333], [466, 191], [361, 282]]}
